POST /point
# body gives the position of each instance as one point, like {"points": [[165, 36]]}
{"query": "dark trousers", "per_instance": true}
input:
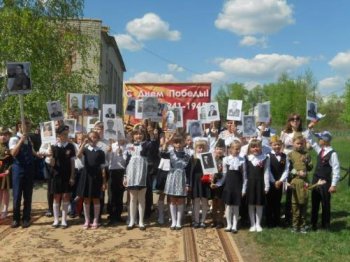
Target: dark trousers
{"points": [[115, 193], [22, 184], [320, 195], [149, 191], [73, 202], [288, 207], [273, 206]]}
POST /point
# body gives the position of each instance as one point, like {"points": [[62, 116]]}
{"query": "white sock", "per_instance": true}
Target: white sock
{"points": [[228, 215], [251, 210], [97, 208], [132, 209], [204, 209], [86, 208], [161, 212], [141, 197], [196, 207], [235, 217], [64, 212], [259, 211], [173, 211], [56, 213], [180, 211]]}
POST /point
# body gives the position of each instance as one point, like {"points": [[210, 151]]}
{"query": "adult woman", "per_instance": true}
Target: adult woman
{"points": [[231, 132], [292, 128]]}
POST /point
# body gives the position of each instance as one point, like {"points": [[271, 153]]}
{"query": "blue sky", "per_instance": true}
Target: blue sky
{"points": [[246, 41]]}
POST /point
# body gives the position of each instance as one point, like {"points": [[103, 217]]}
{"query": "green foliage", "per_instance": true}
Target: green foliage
{"points": [[41, 36], [345, 116]]}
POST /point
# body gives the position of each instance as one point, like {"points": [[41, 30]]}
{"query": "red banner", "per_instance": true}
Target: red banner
{"points": [[189, 96]]}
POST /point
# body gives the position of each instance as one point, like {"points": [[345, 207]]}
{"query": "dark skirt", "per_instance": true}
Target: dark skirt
{"points": [[232, 193], [161, 179], [90, 183], [200, 189], [60, 184]]}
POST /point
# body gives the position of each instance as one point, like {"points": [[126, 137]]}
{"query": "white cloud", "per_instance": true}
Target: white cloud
{"points": [[215, 77], [126, 41], [262, 66], [341, 62], [175, 68], [249, 17], [151, 26], [331, 82], [251, 85], [252, 40], [149, 77]]}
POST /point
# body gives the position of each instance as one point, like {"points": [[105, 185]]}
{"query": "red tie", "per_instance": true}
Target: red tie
{"points": [[322, 152]]}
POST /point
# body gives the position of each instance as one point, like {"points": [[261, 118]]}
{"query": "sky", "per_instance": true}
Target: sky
{"points": [[246, 41]]}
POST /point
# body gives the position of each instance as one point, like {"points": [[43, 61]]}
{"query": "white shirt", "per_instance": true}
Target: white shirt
{"points": [[285, 173], [234, 163], [117, 159], [256, 160]]}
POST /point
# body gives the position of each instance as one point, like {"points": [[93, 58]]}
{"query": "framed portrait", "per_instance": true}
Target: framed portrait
{"points": [[109, 111], [72, 124], [202, 114], [48, 132], [138, 111], [90, 122], [213, 113], [74, 104], [162, 108], [234, 110], [150, 107], [194, 128], [55, 110], [18, 78], [311, 110], [208, 163], [130, 106], [120, 128], [264, 112], [249, 126], [91, 105], [110, 128]]}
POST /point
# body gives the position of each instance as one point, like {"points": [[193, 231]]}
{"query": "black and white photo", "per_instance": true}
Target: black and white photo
{"points": [[110, 129], [47, 132], [91, 105], [19, 79], [55, 110], [249, 127], [311, 110], [212, 111], [71, 123], [130, 106], [264, 112], [194, 128], [75, 104], [139, 106], [120, 128], [234, 110], [202, 114], [109, 110], [208, 163], [150, 107]]}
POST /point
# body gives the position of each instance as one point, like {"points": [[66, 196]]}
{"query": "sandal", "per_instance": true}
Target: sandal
{"points": [[86, 225], [94, 226]]}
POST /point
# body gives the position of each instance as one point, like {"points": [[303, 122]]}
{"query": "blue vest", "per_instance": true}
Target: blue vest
{"points": [[25, 156]]}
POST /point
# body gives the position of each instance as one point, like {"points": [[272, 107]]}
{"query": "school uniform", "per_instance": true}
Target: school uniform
{"points": [[279, 167], [62, 153], [198, 188], [328, 169]]}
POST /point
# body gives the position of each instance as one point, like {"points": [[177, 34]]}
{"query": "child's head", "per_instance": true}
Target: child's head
{"points": [[220, 147], [62, 133], [254, 147], [200, 146], [178, 142], [325, 138], [93, 137], [189, 140], [276, 143], [298, 143], [235, 147], [4, 134], [138, 135]]}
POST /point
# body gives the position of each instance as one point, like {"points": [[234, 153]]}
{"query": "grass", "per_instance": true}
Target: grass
{"points": [[282, 245]]}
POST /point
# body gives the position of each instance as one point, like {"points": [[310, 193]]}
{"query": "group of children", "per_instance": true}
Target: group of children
{"points": [[251, 177]]}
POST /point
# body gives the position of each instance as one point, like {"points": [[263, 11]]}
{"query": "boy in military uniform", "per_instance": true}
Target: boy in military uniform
{"points": [[300, 164]]}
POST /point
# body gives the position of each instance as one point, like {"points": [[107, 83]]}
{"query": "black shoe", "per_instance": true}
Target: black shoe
{"points": [[214, 224], [234, 231], [196, 225], [178, 227], [142, 228], [25, 224], [172, 228], [129, 227], [219, 226], [15, 224], [48, 213]]}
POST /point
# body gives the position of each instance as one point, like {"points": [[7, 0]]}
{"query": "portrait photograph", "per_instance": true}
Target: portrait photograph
{"points": [[162, 108], [311, 110], [234, 110], [194, 128], [18, 78], [120, 128], [249, 127], [208, 163], [109, 110], [91, 105], [212, 111], [47, 132], [71, 123], [55, 110], [75, 104], [264, 112], [150, 107], [202, 114], [138, 112], [130, 107], [90, 122], [110, 128]]}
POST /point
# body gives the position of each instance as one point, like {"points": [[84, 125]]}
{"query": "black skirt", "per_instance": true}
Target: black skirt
{"points": [[161, 179], [232, 193]]}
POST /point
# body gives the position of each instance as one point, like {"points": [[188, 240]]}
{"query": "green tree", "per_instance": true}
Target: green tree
{"points": [[41, 32], [345, 116]]}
